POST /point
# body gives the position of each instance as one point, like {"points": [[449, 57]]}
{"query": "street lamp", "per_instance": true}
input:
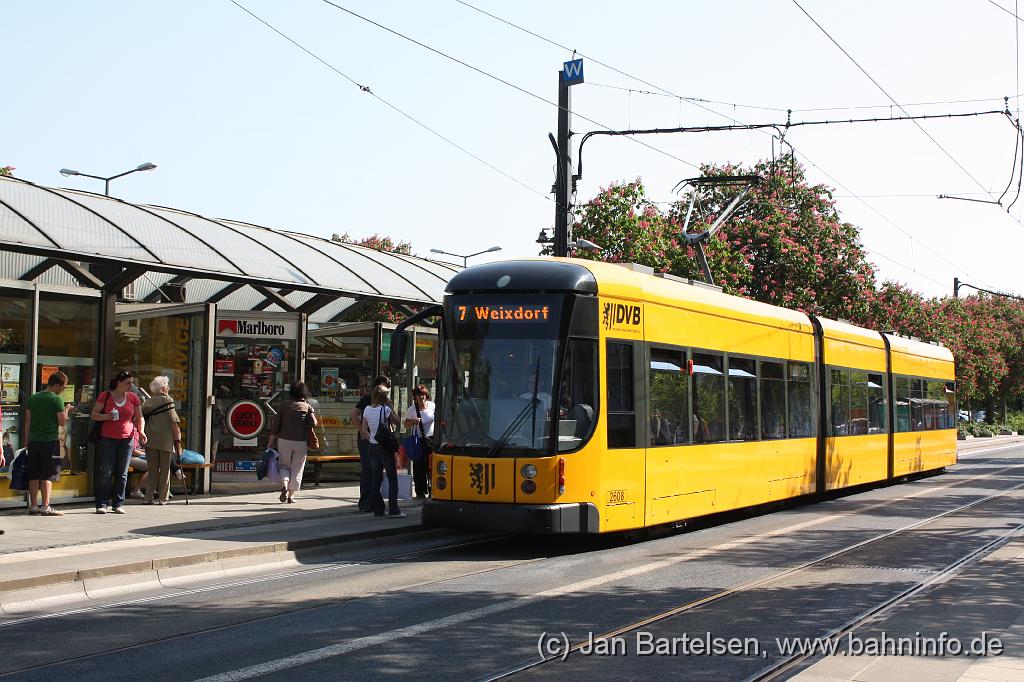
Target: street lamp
{"points": [[106, 181], [465, 259]]}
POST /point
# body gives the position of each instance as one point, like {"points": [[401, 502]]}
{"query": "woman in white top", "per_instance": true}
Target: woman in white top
{"points": [[421, 414], [377, 411]]}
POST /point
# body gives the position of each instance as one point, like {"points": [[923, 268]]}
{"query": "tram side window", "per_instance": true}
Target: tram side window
{"points": [[949, 393], [858, 402], [936, 404], [578, 394], [669, 398], [801, 414], [877, 412], [773, 400], [902, 398], [839, 401], [917, 404], [708, 398], [742, 399], [621, 404]]}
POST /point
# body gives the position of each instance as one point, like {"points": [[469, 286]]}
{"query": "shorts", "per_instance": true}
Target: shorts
{"points": [[43, 461]]}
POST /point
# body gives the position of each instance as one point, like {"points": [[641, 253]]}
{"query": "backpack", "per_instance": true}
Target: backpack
{"points": [[385, 436]]}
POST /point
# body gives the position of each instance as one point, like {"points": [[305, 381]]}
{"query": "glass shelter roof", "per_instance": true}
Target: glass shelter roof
{"points": [[166, 243]]}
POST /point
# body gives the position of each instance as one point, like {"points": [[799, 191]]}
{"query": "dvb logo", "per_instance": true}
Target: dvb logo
{"points": [[617, 314]]}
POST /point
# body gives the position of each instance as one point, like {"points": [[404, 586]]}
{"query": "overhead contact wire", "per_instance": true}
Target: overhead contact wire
{"points": [[366, 89]]}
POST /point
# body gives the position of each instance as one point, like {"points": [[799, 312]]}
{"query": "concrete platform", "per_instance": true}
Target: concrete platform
{"points": [[46, 557]]}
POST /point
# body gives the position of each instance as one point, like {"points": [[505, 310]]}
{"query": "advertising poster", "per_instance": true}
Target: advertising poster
{"points": [[46, 371], [329, 380], [274, 357], [10, 384], [224, 367], [68, 394]]}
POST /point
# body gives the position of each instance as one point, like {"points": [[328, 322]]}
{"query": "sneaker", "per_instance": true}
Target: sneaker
{"points": [[101, 510], [137, 495], [120, 510], [378, 516], [50, 511], [397, 515], [284, 495], [162, 502], [34, 511]]}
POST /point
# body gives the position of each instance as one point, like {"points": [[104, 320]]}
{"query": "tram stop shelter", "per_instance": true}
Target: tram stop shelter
{"points": [[89, 284]]}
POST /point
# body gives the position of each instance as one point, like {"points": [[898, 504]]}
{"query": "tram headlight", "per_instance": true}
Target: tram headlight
{"points": [[441, 484], [529, 487], [528, 471], [442, 467]]}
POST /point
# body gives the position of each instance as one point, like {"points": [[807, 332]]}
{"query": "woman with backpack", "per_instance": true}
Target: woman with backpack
{"points": [[290, 434], [378, 422]]}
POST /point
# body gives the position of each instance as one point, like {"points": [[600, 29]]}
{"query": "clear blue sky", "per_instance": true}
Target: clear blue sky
{"points": [[244, 125]]}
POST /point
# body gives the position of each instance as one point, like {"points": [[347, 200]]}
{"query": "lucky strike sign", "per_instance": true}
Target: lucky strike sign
{"points": [[245, 419]]}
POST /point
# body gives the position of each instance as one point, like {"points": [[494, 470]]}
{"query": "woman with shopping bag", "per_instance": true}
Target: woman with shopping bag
{"points": [[291, 436], [419, 418], [377, 427]]}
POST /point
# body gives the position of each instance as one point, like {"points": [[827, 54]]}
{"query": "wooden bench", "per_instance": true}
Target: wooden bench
{"points": [[189, 467], [318, 463], [195, 468]]}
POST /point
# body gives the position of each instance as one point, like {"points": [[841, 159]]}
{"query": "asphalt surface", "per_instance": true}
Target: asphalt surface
{"points": [[474, 606]]}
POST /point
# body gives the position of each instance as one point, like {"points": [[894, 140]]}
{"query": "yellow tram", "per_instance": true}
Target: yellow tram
{"points": [[587, 397]]}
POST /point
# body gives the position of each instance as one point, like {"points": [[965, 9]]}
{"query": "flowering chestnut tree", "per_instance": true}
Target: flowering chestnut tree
{"points": [[379, 311], [783, 243]]}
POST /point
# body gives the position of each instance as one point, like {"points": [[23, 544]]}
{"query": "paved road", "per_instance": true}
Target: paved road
{"points": [[473, 606]]}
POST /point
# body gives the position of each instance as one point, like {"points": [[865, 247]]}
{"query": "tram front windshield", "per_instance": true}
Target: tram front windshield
{"points": [[499, 370]]}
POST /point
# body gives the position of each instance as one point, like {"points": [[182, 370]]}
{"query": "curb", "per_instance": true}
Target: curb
{"points": [[308, 546]]}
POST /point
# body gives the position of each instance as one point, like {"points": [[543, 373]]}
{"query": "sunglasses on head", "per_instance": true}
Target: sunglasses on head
{"points": [[122, 375]]}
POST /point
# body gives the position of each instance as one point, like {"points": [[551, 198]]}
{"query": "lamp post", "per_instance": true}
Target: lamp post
{"points": [[106, 181], [465, 259]]}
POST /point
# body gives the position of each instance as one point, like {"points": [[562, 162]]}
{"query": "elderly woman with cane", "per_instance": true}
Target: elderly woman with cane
{"points": [[164, 437]]}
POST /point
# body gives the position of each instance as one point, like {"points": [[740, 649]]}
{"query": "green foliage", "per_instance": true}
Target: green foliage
{"points": [[378, 311], [788, 245], [7, 170], [779, 247]]}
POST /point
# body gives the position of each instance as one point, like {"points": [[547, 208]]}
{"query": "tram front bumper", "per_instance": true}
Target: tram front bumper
{"points": [[516, 518]]}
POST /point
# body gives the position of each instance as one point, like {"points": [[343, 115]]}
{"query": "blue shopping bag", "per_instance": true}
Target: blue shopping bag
{"points": [[413, 446]]}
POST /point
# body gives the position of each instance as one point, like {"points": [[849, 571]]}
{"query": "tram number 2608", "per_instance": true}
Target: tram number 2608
{"points": [[616, 496]]}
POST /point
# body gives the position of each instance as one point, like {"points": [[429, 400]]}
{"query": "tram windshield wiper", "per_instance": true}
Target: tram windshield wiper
{"points": [[528, 411]]}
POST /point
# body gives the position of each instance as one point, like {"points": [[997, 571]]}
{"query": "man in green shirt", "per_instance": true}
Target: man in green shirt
{"points": [[46, 414]]}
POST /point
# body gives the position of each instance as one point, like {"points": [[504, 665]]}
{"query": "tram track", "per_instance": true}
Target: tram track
{"points": [[778, 670], [245, 583], [481, 542], [782, 668]]}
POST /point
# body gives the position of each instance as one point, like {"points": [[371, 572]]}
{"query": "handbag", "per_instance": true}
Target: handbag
{"points": [[19, 471], [96, 430], [384, 436], [312, 441], [415, 445]]}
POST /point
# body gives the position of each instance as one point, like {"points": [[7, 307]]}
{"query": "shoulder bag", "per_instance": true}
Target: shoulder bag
{"points": [[385, 436], [312, 441], [96, 430], [415, 445]]}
